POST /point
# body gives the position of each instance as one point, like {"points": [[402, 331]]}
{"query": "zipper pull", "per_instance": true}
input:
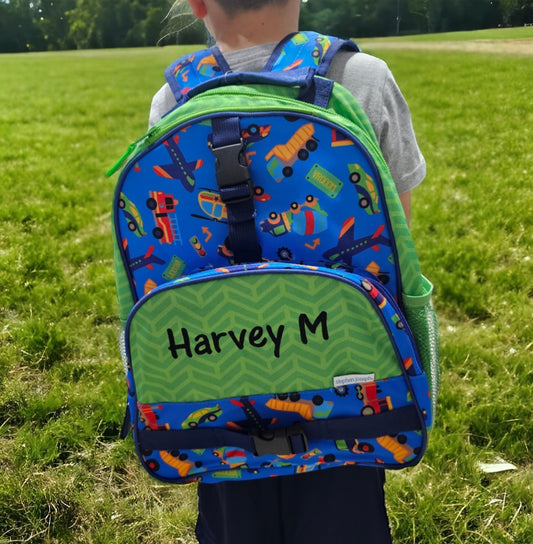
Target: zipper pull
{"points": [[132, 147]]}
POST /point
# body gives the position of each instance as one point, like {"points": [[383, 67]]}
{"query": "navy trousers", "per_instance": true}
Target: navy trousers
{"points": [[345, 504]]}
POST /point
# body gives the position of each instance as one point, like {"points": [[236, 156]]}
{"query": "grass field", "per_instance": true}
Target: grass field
{"points": [[64, 475]]}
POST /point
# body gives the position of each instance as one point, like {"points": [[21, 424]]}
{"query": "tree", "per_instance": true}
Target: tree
{"points": [[34, 25], [517, 12], [51, 17], [17, 29]]}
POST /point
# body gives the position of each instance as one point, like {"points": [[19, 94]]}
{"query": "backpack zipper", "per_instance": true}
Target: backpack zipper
{"points": [[292, 104]]}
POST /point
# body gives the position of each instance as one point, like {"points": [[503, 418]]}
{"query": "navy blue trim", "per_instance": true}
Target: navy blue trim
{"points": [[171, 80], [332, 51], [277, 51], [302, 77], [126, 423], [319, 93]]}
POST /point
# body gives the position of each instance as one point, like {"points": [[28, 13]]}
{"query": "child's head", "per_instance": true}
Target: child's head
{"points": [[237, 24], [232, 7]]}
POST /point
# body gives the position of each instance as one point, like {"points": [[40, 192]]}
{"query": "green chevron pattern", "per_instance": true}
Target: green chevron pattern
{"points": [[268, 354]]}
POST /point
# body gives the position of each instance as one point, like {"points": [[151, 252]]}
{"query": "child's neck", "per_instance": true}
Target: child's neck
{"points": [[256, 28]]}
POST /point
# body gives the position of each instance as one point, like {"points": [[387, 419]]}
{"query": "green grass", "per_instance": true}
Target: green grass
{"points": [[64, 475]]}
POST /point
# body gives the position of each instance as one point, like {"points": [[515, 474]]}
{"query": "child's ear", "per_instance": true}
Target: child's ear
{"points": [[198, 8]]}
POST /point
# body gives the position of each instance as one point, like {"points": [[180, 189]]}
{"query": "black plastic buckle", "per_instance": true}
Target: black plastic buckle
{"points": [[233, 174], [283, 441]]}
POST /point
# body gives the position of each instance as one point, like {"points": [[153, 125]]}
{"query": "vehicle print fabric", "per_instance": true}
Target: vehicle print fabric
{"points": [[174, 223], [318, 340]]}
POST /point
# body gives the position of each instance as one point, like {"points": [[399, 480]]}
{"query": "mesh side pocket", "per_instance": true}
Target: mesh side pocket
{"points": [[122, 348], [424, 326]]}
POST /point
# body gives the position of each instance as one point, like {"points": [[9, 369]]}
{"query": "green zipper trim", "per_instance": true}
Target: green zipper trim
{"points": [[271, 95]]}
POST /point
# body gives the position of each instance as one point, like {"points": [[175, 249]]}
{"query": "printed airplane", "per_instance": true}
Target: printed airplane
{"points": [[180, 168], [348, 246], [147, 260]]}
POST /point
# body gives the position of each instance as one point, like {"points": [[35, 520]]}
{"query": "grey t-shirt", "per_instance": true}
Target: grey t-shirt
{"points": [[371, 82]]}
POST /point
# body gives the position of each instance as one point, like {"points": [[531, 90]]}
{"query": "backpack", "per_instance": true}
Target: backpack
{"points": [[274, 319]]}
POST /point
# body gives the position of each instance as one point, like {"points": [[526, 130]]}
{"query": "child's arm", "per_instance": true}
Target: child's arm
{"points": [[405, 199]]}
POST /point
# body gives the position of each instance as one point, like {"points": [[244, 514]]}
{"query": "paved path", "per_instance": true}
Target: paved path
{"points": [[523, 46]]}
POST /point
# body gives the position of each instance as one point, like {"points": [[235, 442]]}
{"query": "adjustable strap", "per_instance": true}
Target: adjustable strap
{"points": [[236, 188], [126, 424], [286, 440]]}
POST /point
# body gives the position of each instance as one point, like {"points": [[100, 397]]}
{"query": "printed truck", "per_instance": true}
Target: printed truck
{"points": [[148, 416], [368, 393], [282, 156], [163, 206], [179, 461], [398, 446], [208, 66], [308, 409], [354, 445], [303, 219]]}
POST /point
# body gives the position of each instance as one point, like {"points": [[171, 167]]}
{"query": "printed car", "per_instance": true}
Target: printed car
{"points": [[365, 187], [132, 215], [201, 416]]}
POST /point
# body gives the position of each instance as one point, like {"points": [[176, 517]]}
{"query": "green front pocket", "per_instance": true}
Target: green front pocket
{"points": [[254, 333]]}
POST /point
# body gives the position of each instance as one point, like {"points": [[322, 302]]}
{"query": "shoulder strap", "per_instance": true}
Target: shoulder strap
{"points": [[307, 50], [298, 50], [195, 68]]}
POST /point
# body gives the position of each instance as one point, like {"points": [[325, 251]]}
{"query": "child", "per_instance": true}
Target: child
{"points": [[344, 504]]}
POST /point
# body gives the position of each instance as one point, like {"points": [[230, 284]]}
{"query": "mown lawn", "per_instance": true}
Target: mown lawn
{"points": [[64, 475]]}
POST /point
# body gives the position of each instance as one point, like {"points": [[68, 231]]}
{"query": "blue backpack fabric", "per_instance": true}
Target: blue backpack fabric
{"points": [[274, 316]]}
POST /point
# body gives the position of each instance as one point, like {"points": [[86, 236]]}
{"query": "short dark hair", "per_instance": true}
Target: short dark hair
{"points": [[233, 7]]}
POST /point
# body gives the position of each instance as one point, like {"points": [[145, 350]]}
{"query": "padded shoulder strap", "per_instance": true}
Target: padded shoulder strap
{"points": [[298, 50], [307, 50], [195, 68]]}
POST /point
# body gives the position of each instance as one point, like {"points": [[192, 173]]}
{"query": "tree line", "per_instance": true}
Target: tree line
{"points": [[40, 25]]}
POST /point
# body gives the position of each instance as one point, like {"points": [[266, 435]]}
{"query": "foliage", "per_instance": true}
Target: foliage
{"points": [[35, 25], [356, 18], [83, 24], [65, 476]]}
